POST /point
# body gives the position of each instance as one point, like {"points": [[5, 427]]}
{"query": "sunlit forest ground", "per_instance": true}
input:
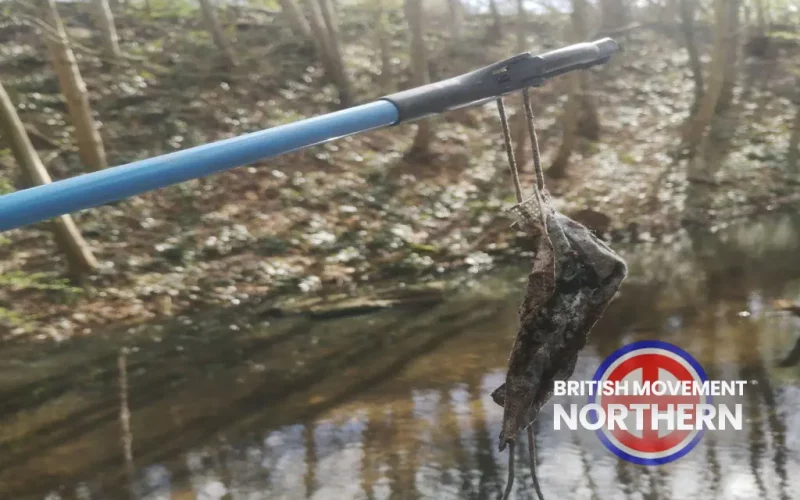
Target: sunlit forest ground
{"points": [[357, 213]]}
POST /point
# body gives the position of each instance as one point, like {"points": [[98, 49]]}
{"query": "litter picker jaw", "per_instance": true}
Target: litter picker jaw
{"points": [[36, 204], [490, 82]]}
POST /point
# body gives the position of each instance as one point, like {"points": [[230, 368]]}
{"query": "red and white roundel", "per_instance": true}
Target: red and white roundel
{"points": [[649, 361]]}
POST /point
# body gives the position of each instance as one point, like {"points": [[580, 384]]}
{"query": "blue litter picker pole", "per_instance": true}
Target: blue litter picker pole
{"points": [[97, 188], [477, 87]]}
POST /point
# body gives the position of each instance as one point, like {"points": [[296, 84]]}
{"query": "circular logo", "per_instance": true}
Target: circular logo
{"points": [[649, 441]]}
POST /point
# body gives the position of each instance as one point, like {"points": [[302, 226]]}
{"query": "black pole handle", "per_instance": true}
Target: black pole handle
{"points": [[490, 82], [578, 56]]}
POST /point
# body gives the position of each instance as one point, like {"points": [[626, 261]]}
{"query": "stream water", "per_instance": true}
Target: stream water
{"points": [[395, 405]]}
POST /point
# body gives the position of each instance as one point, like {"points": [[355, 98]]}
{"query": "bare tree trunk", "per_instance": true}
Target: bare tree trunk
{"points": [[793, 155], [687, 9], [105, 21], [558, 169], [385, 48], [321, 37], [295, 17], [705, 159], [700, 172], [332, 25], [497, 22], [732, 57], [419, 68], [214, 26], [588, 120], [334, 39], [761, 18], [521, 128], [700, 121], [80, 259], [456, 19], [615, 14], [320, 18], [579, 105], [334, 6], [90, 144]]}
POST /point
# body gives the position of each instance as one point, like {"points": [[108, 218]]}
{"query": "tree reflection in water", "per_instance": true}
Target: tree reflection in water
{"points": [[396, 405]]}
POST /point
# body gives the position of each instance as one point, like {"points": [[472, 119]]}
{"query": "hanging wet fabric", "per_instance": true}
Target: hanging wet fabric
{"points": [[574, 278]]}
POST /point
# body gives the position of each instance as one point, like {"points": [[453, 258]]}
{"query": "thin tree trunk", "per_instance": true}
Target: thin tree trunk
{"points": [[419, 68], [793, 155], [705, 112], [522, 44], [80, 259], [214, 26], [497, 22], [577, 99], [687, 9], [295, 17], [324, 45], [521, 129], [747, 13], [321, 38], [334, 39], [105, 21], [704, 162], [456, 19], [615, 14], [335, 8], [588, 120], [385, 48], [558, 169], [732, 57], [90, 144], [761, 18]]}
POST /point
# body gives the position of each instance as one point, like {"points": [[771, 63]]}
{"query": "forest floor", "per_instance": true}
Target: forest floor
{"points": [[355, 212]]}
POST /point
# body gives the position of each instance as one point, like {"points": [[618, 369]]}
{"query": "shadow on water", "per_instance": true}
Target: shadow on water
{"points": [[396, 405]]}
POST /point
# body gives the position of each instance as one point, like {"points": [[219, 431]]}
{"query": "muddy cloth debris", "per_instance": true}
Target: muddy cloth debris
{"points": [[574, 277]]}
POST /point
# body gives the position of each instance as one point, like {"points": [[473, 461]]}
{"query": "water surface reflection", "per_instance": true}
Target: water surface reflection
{"points": [[396, 405]]}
